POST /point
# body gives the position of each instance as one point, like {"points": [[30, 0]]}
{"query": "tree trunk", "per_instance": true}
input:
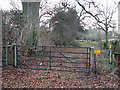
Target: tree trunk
{"points": [[31, 19], [0, 34], [106, 38], [1, 48], [106, 35]]}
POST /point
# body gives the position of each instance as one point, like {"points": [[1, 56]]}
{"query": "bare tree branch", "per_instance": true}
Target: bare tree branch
{"points": [[103, 16]]}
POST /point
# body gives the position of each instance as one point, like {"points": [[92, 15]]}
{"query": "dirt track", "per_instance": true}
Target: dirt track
{"points": [[19, 78]]}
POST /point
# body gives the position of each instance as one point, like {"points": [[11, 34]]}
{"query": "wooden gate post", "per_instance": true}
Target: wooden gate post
{"points": [[50, 57], [113, 58], [89, 58], [15, 50], [92, 59], [6, 55], [13, 53]]}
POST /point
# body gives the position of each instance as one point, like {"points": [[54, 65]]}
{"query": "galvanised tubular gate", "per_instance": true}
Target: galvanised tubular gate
{"points": [[56, 58]]}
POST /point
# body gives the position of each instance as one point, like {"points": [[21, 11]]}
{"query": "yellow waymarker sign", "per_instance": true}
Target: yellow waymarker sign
{"points": [[110, 46], [96, 51]]}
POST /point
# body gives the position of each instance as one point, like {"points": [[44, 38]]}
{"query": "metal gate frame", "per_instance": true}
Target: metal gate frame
{"points": [[88, 59]]}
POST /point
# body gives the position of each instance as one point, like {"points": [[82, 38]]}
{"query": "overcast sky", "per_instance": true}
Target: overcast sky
{"points": [[5, 4]]}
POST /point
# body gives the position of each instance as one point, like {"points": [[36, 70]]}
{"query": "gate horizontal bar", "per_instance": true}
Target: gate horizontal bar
{"points": [[51, 66], [67, 70], [52, 61], [33, 65], [51, 52], [52, 56], [49, 46], [52, 69], [68, 67]]}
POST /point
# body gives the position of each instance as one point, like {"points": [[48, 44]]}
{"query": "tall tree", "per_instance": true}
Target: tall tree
{"points": [[66, 24], [0, 39], [31, 17], [33, 13], [102, 15]]}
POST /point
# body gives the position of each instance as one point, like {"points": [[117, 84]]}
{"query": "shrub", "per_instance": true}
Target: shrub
{"points": [[74, 44], [115, 45]]}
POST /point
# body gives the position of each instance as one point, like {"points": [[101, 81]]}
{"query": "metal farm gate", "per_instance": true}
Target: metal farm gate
{"points": [[56, 58]]}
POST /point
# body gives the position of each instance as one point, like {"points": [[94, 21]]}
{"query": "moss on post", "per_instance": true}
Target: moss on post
{"points": [[13, 53]]}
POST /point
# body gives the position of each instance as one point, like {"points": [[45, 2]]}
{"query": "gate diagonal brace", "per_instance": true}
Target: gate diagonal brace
{"points": [[66, 57]]}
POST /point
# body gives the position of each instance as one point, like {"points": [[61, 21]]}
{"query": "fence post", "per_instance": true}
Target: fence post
{"points": [[6, 55], [113, 57], [89, 59], [50, 57], [93, 59], [15, 50], [13, 53], [110, 54], [95, 63], [110, 58]]}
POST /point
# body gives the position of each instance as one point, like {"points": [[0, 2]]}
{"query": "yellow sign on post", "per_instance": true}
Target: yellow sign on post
{"points": [[110, 46], [97, 51]]}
